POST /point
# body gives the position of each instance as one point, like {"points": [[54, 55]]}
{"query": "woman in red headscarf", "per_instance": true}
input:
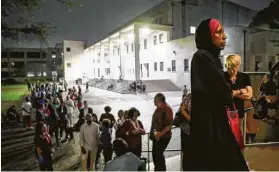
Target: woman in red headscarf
{"points": [[213, 146]]}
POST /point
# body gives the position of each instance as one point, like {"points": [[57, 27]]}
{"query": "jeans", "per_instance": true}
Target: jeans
{"points": [[55, 131], [158, 149]]}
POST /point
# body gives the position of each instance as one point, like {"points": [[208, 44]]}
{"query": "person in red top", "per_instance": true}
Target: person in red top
{"points": [[160, 132], [133, 129]]}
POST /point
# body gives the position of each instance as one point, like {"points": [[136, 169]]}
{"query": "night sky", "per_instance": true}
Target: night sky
{"points": [[93, 19]]}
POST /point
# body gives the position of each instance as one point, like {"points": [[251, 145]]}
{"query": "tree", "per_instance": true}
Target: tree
{"points": [[15, 25], [268, 15]]}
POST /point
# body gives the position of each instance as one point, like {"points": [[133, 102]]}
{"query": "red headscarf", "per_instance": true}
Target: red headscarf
{"points": [[213, 25]]}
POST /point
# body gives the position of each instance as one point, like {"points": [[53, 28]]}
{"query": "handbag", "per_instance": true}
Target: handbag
{"points": [[233, 118]]}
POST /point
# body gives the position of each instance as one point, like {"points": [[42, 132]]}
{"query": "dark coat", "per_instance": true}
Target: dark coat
{"points": [[81, 112], [213, 146]]}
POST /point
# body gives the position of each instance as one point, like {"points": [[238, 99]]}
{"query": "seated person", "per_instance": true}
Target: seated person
{"points": [[124, 160], [143, 88], [12, 114]]}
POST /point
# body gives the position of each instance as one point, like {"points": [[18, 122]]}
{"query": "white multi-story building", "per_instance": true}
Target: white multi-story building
{"points": [[159, 44], [72, 54]]}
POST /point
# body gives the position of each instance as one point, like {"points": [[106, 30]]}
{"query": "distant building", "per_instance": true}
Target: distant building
{"points": [[72, 53], [29, 62]]}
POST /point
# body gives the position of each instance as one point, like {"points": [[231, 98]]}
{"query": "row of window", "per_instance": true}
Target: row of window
{"points": [[4, 54], [130, 47], [173, 66]]}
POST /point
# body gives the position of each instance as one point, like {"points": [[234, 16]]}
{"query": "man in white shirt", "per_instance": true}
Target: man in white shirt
{"points": [[124, 160], [70, 109], [89, 141], [27, 112]]}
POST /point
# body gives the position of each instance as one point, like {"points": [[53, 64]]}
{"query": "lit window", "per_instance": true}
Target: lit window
{"points": [[30, 74], [68, 49], [192, 29], [161, 38], [155, 40], [53, 55], [69, 65], [44, 74]]}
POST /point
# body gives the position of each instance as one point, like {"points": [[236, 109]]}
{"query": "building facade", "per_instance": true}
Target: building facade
{"points": [[159, 44], [71, 53], [29, 62]]}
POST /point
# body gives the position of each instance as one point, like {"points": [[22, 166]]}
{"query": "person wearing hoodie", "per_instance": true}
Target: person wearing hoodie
{"points": [[213, 145]]}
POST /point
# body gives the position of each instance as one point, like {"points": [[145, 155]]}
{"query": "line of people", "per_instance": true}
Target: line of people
{"points": [[96, 136]]}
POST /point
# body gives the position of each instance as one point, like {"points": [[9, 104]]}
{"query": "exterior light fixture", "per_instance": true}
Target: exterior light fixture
{"points": [[131, 36], [145, 31]]}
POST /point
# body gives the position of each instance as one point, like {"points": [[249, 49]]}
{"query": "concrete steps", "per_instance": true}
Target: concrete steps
{"points": [[123, 87]]}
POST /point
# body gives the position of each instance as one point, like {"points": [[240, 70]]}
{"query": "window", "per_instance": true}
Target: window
{"points": [[69, 65], [145, 44], [18, 54], [107, 71], [161, 66], [105, 54], [118, 51], [186, 65], [44, 74], [30, 74], [161, 38], [173, 66], [4, 54], [192, 29], [154, 40], [4, 64], [132, 47], [258, 66], [93, 60], [127, 47], [99, 54], [53, 55], [155, 66], [98, 60], [33, 54], [68, 49], [113, 51]]}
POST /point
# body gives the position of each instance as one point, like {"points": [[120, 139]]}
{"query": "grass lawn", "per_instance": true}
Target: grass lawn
{"points": [[12, 94]]}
